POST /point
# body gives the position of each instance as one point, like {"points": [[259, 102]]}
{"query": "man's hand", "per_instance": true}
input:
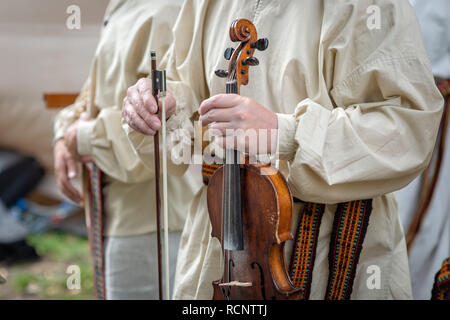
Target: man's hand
{"points": [[70, 137], [65, 169], [139, 108], [232, 111]]}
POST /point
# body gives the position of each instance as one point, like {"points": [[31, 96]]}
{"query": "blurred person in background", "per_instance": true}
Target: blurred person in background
{"points": [[19, 175], [424, 205], [119, 193]]}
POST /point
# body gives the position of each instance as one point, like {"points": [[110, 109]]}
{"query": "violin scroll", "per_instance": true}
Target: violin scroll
{"points": [[241, 58]]}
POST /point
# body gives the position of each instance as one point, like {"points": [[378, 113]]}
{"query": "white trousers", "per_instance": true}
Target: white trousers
{"points": [[131, 266]]}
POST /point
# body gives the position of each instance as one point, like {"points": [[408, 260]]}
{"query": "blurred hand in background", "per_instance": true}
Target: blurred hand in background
{"points": [[66, 168]]}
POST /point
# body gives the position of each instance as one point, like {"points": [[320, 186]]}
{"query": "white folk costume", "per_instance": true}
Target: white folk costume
{"points": [[358, 114], [132, 29]]}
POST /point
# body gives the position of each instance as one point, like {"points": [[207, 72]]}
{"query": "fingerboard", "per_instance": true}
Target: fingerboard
{"points": [[232, 210]]}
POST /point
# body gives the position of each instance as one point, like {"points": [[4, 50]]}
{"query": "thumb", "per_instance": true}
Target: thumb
{"points": [[72, 168]]}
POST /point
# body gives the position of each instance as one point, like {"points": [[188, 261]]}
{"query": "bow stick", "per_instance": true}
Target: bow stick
{"points": [[159, 93]]}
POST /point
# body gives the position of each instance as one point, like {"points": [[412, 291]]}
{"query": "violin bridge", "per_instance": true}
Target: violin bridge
{"points": [[235, 284]]}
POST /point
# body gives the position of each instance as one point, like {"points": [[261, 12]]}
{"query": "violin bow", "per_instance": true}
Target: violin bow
{"points": [[159, 93]]}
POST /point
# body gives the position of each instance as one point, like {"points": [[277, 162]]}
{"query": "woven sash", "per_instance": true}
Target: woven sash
{"points": [[95, 231], [208, 170], [349, 229], [444, 88], [304, 254], [441, 287]]}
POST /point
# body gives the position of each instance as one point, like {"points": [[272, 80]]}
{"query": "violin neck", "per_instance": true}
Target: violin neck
{"points": [[232, 209]]}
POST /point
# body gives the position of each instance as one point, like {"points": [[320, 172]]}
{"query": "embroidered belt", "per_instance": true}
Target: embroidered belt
{"points": [[304, 252], [208, 170], [95, 231], [349, 229], [441, 287]]}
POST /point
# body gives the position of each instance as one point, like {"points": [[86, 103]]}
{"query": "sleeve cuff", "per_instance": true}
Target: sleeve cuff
{"points": [[286, 146], [84, 134]]}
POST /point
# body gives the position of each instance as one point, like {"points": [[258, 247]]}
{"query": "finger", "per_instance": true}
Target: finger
{"points": [[133, 119], [151, 120], [220, 128], [72, 172], [72, 168], [134, 99], [216, 115], [70, 191], [144, 87], [219, 101], [64, 184]]}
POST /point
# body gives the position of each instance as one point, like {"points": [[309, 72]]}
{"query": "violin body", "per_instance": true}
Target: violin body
{"points": [[267, 208]]}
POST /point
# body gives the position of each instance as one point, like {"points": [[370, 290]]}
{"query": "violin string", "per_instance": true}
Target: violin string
{"points": [[227, 185], [225, 209], [230, 173]]}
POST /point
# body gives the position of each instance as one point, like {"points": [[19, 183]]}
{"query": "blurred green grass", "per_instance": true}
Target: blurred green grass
{"points": [[47, 278], [60, 246]]}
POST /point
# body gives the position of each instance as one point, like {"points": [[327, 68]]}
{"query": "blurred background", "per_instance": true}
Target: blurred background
{"points": [[43, 65]]}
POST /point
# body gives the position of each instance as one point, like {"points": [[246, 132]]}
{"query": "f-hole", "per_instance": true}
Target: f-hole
{"points": [[226, 291], [261, 277]]}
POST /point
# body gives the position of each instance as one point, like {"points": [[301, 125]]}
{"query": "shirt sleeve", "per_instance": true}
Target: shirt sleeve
{"points": [[104, 140], [70, 114], [380, 131]]}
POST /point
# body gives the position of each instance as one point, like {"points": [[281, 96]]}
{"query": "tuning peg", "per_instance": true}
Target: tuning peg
{"points": [[228, 53], [221, 73], [260, 44], [251, 61]]}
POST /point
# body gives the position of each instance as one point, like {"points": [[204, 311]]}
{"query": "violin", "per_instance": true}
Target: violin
{"points": [[250, 205]]}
